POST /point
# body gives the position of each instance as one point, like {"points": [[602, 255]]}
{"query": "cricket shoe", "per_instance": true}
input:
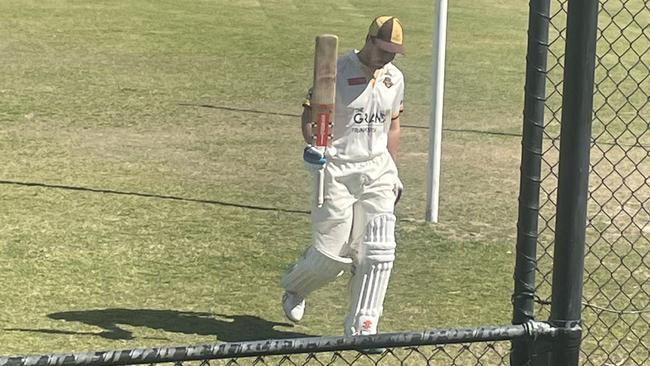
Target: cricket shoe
{"points": [[293, 306]]}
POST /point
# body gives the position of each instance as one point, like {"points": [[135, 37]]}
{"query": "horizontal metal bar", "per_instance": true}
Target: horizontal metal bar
{"points": [[283, 346]]}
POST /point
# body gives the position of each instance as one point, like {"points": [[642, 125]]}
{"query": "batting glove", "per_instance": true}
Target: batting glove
{"points": [[314, 158]]}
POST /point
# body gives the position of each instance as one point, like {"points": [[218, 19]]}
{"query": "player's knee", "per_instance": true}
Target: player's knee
{"points": [[379, 241], [313, 270], [326, 264]]}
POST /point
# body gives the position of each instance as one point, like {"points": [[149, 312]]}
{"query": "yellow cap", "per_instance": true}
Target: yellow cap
{"points": [[388, 34]]}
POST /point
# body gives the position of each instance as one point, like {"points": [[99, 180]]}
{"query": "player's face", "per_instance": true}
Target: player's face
{"points": [[379, 57]]}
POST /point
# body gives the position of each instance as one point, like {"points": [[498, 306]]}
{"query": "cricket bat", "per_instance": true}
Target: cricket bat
{"points": [[322, 100]]}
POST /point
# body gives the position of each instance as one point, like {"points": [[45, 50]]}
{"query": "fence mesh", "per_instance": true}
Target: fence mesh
{"points": [[616, 295]]}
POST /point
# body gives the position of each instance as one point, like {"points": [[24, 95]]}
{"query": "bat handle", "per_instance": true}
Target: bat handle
{"points": [[320, 187]]}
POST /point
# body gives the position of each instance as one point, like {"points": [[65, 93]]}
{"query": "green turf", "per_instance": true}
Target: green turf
{"points": [[133, 216]]}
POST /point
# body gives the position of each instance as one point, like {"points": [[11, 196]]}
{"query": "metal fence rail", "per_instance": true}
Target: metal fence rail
{"points": [[470, 346], [461, 355]]}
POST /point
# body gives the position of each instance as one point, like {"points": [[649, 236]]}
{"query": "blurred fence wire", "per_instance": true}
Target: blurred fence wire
{"points": [[616, 295]]}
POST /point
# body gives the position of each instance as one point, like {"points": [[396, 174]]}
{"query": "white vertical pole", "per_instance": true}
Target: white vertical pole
{"points": [[435, 131]]}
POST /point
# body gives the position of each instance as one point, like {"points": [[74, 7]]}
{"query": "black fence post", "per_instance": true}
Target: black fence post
{"points": [[523, 298], [573, 181]]}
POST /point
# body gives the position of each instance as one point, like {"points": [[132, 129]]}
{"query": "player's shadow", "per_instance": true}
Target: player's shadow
{"points": [[226, 328]]}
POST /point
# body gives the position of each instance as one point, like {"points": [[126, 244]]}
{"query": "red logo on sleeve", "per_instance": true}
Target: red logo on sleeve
{"points": [[357, 81]]}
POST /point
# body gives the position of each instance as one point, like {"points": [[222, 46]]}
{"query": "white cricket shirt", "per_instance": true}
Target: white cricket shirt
{"points": [[364, 108]]}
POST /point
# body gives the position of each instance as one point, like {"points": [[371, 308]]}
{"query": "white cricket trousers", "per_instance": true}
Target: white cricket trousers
{"points": [[355, 192]]}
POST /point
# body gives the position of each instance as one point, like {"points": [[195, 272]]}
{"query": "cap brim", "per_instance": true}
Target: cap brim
{"points": [[389, 47]]}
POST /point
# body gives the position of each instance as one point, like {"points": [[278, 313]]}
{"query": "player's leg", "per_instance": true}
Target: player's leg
{"points": [[373, 240], [371, 274], [328, 256], [315, 269]]}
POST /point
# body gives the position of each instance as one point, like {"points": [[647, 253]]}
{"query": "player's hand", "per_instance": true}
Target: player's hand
{"points": [[398, 188], [314, 158]]}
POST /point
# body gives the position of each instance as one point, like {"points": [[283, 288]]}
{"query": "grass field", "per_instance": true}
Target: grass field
{"points": [[152, 183]]}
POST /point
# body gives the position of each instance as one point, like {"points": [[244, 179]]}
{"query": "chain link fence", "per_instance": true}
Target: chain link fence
{"points": [[616, 295]]}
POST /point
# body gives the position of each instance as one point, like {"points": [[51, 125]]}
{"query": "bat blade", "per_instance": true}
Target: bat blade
{"points": [[324, 88], [323, 99]]}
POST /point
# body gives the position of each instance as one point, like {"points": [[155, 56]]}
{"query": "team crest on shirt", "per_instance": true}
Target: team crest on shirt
{"points": [[388, 82]]}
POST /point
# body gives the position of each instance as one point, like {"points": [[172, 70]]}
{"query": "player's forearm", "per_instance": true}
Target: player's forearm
{"points": [[393, 139]]}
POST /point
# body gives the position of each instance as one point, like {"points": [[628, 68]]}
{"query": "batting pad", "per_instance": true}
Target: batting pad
{"points": [[370, 280], [314, 270]]}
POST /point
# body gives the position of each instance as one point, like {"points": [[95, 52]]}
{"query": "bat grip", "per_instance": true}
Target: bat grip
{"points": [[320, 182], [320, 187]]}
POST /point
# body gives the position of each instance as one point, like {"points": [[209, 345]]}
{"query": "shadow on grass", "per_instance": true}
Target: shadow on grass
{"points": [[245, 110], [233, 109], [149, 195], [226, 328]]}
